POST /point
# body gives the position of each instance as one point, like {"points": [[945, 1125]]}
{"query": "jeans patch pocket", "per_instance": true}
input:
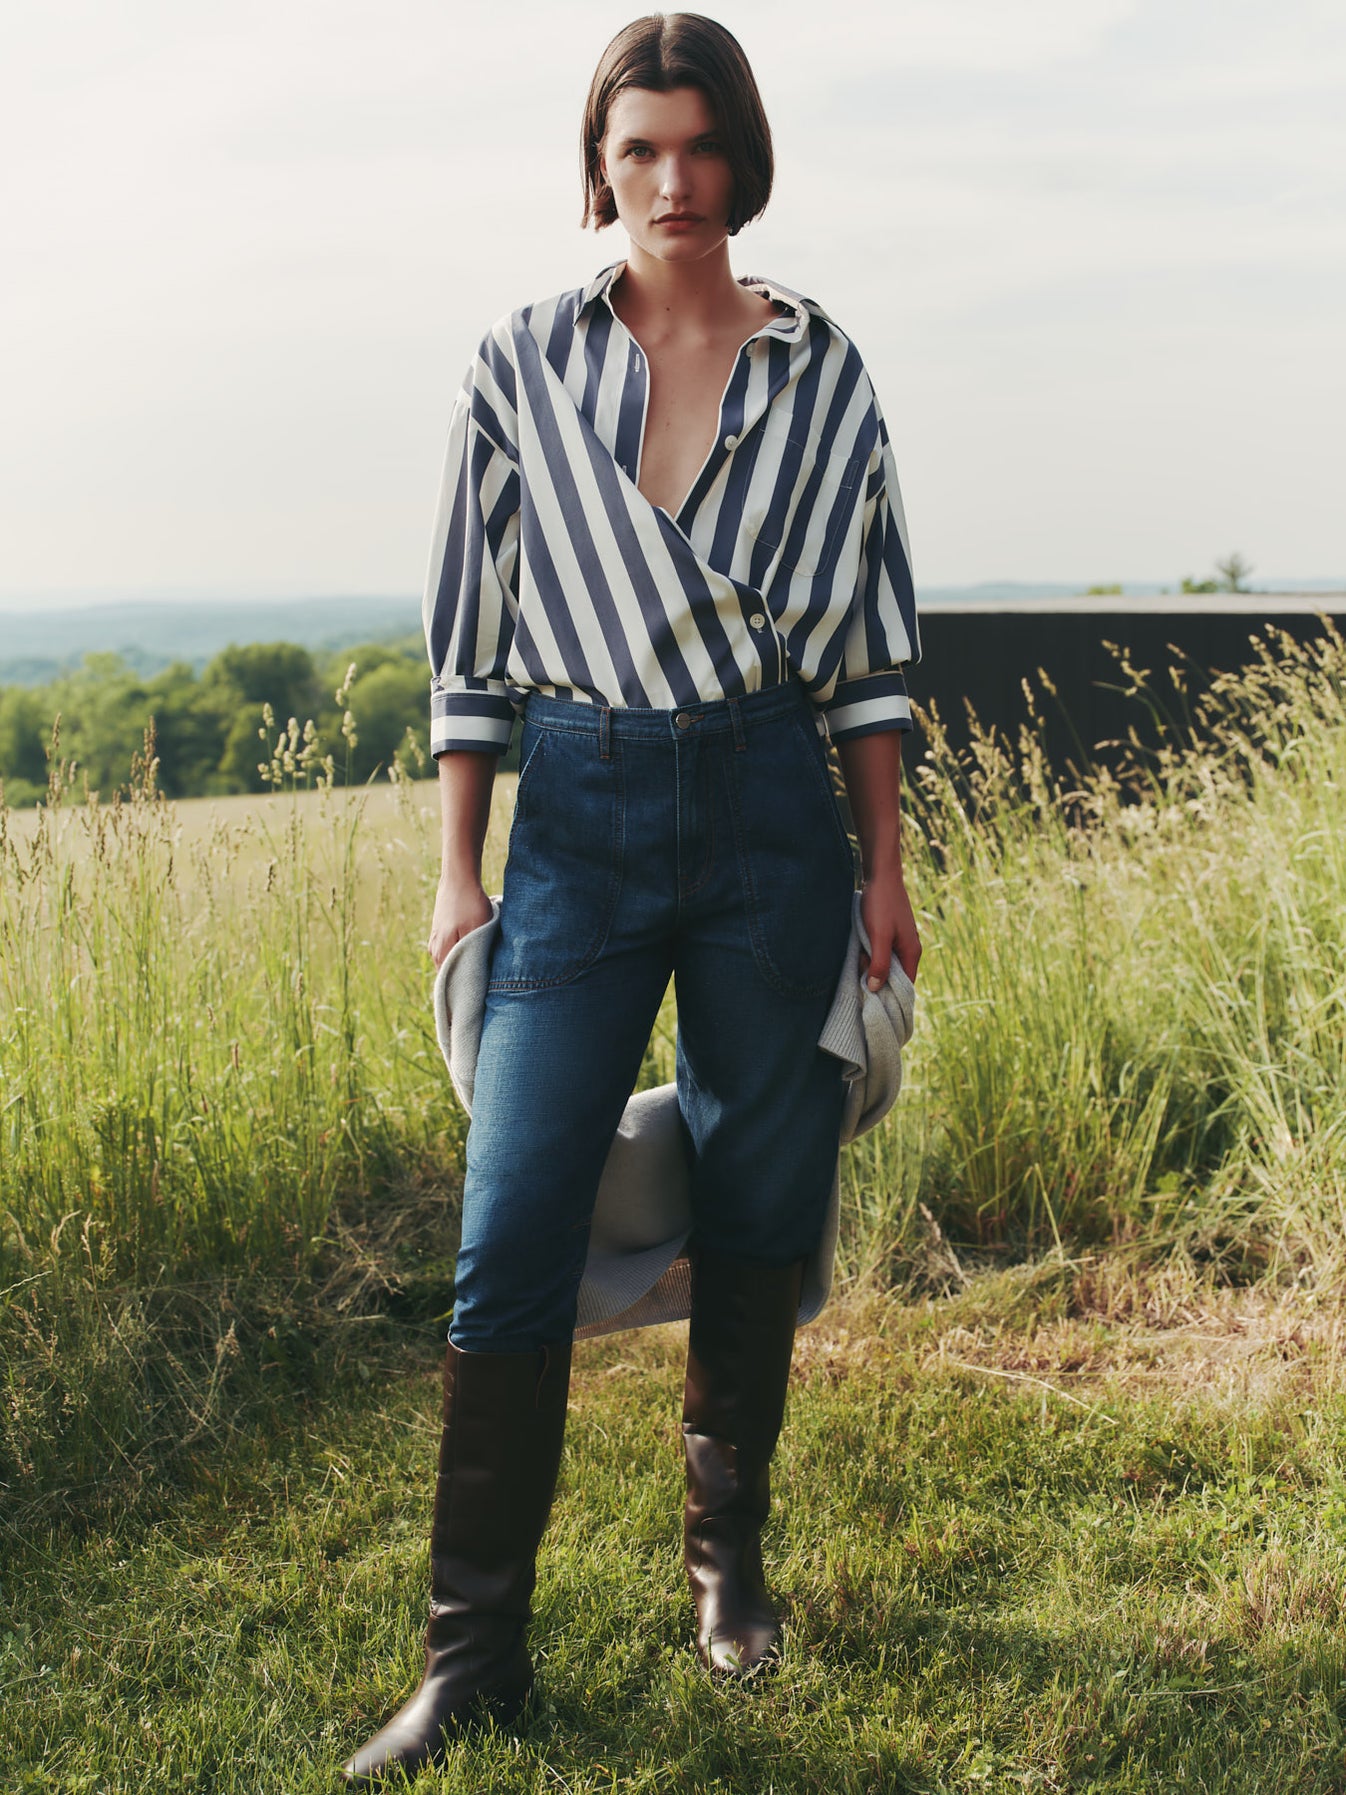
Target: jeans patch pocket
{"points": [[794, 858], [563, 871]]}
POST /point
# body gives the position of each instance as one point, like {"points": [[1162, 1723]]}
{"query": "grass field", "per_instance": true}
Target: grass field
{"points": [[1064, 1487], [1054, 1533]]}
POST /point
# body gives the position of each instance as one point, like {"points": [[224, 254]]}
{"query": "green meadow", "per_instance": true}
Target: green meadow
{"points": [[1062, 1495]]}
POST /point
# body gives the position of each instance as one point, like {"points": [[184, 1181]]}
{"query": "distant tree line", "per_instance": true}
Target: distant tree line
{"points": [[206, 723], [1234, 572]]}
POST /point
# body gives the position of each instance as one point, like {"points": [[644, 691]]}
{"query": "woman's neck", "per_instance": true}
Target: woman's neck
{"points": [[699, 298]]}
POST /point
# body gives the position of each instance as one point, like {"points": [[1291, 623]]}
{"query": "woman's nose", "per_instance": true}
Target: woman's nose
{"points": [[675, 178]]}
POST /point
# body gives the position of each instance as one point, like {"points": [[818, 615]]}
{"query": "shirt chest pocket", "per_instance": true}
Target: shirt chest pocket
{"points": [[801, 502]]}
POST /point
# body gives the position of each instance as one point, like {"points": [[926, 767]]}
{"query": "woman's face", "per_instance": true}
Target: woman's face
{"points": [[670, 178]]}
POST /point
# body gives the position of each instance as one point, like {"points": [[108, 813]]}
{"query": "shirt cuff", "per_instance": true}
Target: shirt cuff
{"points": [[866, 706], [473, 717]]}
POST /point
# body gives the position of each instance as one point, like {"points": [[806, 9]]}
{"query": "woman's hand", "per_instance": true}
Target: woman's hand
{"points": [[461, 905], [872, 765], [890, 924]]}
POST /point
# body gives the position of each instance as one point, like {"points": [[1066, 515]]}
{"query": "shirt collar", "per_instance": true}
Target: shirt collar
{"points": [[791, 325], [597, 287]]}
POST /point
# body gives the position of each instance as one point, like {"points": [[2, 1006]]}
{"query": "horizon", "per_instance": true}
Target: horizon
{"points": [[17, 605], [13, 605]]}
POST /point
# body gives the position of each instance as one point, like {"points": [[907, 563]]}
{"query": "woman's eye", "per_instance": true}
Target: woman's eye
{"points": [[709, 145]]}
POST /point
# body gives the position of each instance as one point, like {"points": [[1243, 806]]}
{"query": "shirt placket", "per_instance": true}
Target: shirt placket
{"points": [[734, 421], [740, 416]]}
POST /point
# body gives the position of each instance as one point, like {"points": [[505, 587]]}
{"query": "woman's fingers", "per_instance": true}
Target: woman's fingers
{"points": [[891, 927], [439, 948], [876, 914], [877, 967], [460, 907]]}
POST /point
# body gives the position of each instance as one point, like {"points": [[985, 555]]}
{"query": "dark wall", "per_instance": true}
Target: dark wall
{"points": [[982, 657]]}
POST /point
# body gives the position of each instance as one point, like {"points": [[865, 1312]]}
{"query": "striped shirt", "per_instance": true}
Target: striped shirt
{"points": [[551, 572]]}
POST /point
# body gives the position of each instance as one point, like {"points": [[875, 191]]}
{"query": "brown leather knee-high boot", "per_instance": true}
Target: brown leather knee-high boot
{"points": [[740, 1342], [500, 1450]]}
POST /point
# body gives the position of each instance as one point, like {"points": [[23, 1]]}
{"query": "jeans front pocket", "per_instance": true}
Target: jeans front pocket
{"points": [[794, 857], [563, 872]]}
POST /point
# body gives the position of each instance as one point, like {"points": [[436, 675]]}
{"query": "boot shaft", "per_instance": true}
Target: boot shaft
{"points": [[499, 1459], [740, 1343]]}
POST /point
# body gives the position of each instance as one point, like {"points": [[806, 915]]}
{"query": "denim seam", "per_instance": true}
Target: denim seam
{"points": [[525, 768], [819, 765], [760, 951], [527, 763], [709, 865]]}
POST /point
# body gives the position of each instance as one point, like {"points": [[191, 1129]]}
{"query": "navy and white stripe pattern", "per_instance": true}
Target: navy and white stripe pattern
{"points": [[551, 572]]}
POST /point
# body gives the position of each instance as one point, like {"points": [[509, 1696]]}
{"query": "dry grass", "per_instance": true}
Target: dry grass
{"points": [[233, 835], [1104, 1329], [1130, 1057]]}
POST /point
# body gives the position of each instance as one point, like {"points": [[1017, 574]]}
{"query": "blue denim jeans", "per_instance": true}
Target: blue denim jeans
{"points": [[704, 845]]}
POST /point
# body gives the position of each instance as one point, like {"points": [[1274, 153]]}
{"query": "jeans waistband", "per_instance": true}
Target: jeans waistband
{"points": [[716, 716]]}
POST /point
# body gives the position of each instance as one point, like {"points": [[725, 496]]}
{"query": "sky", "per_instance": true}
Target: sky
{"points": [[1093, 253]]}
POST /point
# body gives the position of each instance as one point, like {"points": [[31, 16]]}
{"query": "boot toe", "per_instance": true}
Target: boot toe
{"points": [[439, 1711], [380, 1758], [744, 1651], [405, 1745]]}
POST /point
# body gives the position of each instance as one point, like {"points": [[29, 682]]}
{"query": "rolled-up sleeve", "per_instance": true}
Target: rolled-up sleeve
{"points": [[881, 632], [470, 601]]}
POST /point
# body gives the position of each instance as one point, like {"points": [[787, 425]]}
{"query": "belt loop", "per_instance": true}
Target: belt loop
{"points": [[605, 733], [740, 741]]}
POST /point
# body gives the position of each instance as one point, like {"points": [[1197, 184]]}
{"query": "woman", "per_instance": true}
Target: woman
{"points": [[670, 533]]}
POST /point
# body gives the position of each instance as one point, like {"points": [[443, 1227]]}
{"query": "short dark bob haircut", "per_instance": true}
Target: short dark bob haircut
{"points": [[682, 49]]}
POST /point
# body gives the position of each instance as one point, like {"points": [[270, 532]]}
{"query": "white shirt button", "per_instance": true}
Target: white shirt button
{"points": [[731, 442], [635, 363], [757, 621]]}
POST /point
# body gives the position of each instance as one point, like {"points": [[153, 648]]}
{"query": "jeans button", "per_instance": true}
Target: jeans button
{"points": [[682, 720]]}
